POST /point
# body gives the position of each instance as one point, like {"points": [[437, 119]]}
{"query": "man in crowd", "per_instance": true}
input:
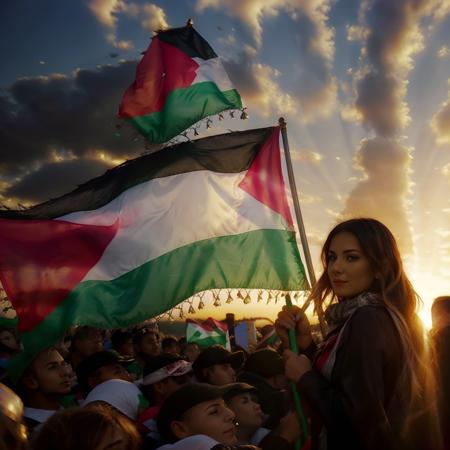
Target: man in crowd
{"points": [[86, 341], [197, 409], [169, 344], [216, 365], [163, 375], [46, 380], [99, 367]]}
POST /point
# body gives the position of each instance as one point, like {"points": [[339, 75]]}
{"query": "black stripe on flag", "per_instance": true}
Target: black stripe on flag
{"points": [[188, 41], [224, 153]]}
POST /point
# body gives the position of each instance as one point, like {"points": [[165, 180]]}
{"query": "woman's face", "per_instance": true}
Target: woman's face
{"points": [[348, 267]]}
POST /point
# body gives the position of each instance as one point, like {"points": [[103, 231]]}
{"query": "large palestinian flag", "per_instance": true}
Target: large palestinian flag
{"points": [[179, 81], [150, 233]]}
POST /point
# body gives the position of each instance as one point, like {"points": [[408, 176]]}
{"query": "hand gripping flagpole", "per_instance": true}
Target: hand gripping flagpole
{"points": [[298, 215]]}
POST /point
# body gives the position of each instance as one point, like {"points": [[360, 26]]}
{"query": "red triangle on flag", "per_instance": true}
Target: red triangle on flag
{"points": [[41, 261], [264, 179]]}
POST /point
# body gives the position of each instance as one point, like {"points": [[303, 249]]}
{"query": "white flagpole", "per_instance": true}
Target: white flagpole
{"points": [[298, 215]]}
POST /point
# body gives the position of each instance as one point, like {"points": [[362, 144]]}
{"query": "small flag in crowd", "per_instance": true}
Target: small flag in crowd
{"points": [[207, 333], [179, 81], [138, 240]]}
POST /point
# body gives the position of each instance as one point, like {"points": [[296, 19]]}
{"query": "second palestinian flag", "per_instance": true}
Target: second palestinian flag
{"points": [[179, 81]]}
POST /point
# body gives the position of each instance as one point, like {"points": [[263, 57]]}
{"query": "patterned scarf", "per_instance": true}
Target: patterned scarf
{"points": [[337, 316], [338, 313]]}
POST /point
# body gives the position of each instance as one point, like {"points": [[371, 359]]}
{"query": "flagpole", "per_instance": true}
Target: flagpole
{"points": [[298, 215]]}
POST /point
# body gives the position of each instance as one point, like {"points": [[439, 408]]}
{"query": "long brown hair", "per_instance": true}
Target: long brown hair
{"points": [[398, 296], [84, 428]]}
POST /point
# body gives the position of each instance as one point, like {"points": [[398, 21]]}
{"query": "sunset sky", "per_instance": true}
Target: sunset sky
{"points": [[364, 86]]}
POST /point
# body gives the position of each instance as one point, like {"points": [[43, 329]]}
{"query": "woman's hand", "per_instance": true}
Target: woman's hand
{"points": [[295, 366], [293, 318]]}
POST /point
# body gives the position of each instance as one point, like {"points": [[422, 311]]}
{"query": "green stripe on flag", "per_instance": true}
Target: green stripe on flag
{"points": [[270, 258], [183, 107]]}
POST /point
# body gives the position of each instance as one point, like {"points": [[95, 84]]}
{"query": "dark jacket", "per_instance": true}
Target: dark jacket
{"points": [[361, 406]]}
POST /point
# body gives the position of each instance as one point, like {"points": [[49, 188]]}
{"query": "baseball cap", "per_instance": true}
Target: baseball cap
{"points": [[164, 366], [182, 400], [265, 362], [216, 354], [231, 390], [93, 362]]}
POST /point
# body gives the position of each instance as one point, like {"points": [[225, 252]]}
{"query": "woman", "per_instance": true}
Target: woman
{"points": [[367, 385]]}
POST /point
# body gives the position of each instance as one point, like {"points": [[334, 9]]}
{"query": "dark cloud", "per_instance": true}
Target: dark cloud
{"points": [[382, 194], [392, 36], [380, 102], [41, 115], [55, 179]]}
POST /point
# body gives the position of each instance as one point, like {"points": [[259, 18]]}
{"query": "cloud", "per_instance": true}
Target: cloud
{"points": [[41, 116], [55, 178], [154, 18], [315, 93], [107, 12], [391, 35], [380, 103], [258, 85], [440, 122], [443, 52], [306, 155], [383, 192]]}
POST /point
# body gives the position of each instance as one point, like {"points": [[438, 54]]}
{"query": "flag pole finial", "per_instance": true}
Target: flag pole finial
{"points": [[282, 123], [189, 23]]}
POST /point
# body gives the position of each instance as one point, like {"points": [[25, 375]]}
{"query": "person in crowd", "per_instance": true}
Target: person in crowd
{"points": [[44, 383], [95, 428], [163, 375], [190, 351], [98, 368], [169, 344], [216, 365], [264, 369], [9, 346], [366, 386], [194, 409], [122, 343], [440, 338], [122, 395], [85, 341], [13, 433], [147, 344], [9, 339]]}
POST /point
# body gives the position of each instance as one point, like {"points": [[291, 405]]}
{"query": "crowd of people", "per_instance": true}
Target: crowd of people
{"points": [[373, 382]]}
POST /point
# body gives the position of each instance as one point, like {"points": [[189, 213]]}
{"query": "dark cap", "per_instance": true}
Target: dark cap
{"points": [[265, 362], [93, 362], [216, 354], [231, 390], [181, 401]]}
